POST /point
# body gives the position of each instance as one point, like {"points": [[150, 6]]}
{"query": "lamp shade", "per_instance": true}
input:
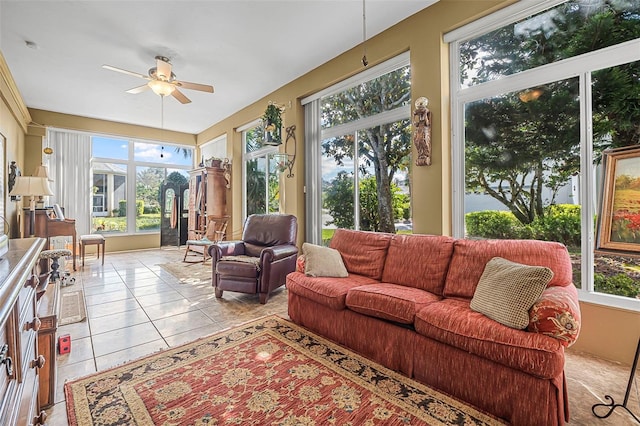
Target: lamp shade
{"points": [[31, 186], [43, 172]]}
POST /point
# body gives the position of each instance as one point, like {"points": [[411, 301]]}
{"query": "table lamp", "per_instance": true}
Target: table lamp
{"points": [[33, 187]]}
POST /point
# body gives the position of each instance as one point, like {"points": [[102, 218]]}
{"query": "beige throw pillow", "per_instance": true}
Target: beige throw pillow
{"points": [[323, 261], [507, 290]]}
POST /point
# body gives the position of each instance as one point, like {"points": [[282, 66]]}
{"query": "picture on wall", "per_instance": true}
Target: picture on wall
{"points": [[619, 216]]}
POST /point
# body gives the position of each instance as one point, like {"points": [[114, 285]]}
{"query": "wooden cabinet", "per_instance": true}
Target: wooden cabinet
{"points": [[20, 359], [46, 227], [207, 203]]}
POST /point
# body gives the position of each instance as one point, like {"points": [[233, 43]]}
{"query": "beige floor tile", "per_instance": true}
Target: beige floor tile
{"points": [[112, 308], [104, 288], [115, 321], [150, 289], [180, 323], [77, 330], [123, 338], [112, 296], [157, 298], [168, 309], [57, 415]]}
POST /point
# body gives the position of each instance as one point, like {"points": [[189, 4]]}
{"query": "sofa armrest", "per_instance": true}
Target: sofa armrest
{"points": [[557, 314], [226, 248], [274, 253]]}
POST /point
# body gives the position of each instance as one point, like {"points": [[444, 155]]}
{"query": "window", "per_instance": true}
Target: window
{"points": [[127, 175], [534, 104], [261, 174], [359, 143]]}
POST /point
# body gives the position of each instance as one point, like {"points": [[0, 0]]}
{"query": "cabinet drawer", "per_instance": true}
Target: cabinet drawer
{"points": [[27, 334], [29, 397], [27, 292]]}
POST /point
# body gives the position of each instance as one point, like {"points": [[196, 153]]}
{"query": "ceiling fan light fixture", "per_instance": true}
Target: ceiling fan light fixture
{"points": [[161, 88]]}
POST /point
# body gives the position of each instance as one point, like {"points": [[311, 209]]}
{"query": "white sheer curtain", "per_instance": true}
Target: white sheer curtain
{"points": [[70, 169]]}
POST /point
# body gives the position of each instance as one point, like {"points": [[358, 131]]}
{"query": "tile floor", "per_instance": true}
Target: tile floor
{"points": [[135, 308]]}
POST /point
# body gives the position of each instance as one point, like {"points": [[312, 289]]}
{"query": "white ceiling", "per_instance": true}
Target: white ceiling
{"points": [[244, 48]]}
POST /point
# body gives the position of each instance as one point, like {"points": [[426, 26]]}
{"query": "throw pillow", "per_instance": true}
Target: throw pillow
{"points": [[323, 262], [507, 290]]}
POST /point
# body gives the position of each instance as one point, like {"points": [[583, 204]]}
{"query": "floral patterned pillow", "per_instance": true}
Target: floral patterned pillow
{"points": [[300, 263], [557, 314]]}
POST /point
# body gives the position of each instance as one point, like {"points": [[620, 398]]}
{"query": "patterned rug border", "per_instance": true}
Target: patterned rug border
{"points": [[270, 325]]}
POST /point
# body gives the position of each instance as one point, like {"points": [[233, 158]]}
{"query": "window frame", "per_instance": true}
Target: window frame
{"points": [[265, 151], [580, 66], [315, 134]]}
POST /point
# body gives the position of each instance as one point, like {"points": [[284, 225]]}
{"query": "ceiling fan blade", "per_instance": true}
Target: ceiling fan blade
{"points": [[163, 67], [180, 96], [195, 86], [135, 74], [138, 89]]}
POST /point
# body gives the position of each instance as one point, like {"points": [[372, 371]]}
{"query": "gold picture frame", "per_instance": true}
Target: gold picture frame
{"points": [[619, 218]]}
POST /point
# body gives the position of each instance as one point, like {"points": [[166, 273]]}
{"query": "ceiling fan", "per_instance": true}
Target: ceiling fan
{"points": [[163, 81]]}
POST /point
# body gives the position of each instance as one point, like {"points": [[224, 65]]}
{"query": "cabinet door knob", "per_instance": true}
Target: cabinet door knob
{"points": [[32, 281], [38, 362], [40, 419], [33, 325]]}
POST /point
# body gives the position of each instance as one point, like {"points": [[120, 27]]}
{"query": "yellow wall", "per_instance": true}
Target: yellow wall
{"points": [[13, 125], [607, 332]]}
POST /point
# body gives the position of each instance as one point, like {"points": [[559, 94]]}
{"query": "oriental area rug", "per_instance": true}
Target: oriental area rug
{"points": [[266, 372]]}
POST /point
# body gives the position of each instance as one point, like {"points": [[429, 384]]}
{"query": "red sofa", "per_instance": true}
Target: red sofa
{"points": [[406, 305]]}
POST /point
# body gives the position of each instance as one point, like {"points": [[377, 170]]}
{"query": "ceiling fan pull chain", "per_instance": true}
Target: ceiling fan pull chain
{"points": [[162, 123]]}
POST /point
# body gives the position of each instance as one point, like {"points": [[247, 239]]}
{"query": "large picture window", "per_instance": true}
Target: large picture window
{"points": [[535, 103], [127, 175]]}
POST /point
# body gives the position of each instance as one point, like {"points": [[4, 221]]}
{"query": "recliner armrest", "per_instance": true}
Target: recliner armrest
{"points": [[226, 248], [279, 252]]}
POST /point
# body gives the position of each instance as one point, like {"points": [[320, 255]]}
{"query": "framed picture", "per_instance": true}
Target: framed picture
{"points": [[619, 216]]}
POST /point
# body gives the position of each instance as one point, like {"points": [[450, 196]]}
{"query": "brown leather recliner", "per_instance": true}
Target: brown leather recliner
{"points": [[260, 262]]}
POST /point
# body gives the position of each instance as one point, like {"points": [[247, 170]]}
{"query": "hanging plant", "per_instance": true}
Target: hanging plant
{"points": [[272, 121]]}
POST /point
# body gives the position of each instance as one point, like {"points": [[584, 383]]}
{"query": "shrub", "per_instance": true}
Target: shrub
{"points": [[620, 284], [560, 223], [494, 224], [122, 208], [151, 209], [139, 207]]}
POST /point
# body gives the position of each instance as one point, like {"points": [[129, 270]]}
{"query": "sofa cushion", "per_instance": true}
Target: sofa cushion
{"points": [[363, 252], [454, 323], [507, 290], [327, 291], [470, 257], [419, 261], [557, 314], [389, 301], [323, 261]]}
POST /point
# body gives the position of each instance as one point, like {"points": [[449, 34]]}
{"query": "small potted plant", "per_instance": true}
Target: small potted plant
{"points": [[272, 121]]}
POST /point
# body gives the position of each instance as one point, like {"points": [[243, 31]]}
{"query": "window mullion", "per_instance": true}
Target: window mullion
{"points": [[586, 178]]}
